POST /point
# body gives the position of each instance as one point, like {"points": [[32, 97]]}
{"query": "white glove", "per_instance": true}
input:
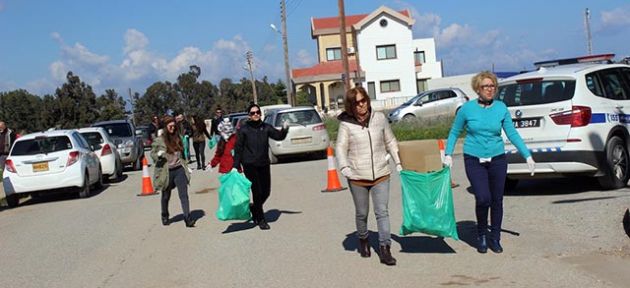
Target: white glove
{"points": [[161, 153], [531, 165], [234, 170], [347, 172], [399, 168], [285, 125], [448, 161]]}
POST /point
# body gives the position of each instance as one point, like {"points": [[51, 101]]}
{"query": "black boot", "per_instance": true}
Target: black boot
{"points": [[364, 247], [190, 222], [495, 246], [254, 216], [165, 220], [263, 224], [482, 245], [386, 256]]}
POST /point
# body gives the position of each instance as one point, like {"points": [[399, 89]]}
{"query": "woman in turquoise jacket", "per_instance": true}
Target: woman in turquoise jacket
{"points": [[484, 155]]}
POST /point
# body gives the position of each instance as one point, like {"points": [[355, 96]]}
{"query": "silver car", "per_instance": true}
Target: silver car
{"points": [[129, 144], [307, 132], [430, 104]]}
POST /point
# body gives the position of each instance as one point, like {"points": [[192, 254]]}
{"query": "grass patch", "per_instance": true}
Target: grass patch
{"points": [[404, 131]]}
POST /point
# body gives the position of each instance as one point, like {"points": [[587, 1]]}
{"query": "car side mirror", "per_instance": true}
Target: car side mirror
{"points": [[117, 142], [418, 103]]}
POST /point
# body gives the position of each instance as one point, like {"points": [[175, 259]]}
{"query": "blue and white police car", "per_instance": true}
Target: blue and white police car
{"points": [[573, 114]]}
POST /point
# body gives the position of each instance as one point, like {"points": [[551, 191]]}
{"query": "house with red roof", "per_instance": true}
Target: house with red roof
{"points": [[383, 57]]}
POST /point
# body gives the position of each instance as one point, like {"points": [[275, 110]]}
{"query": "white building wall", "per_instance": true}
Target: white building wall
{"points": [[432, 68], [401, 68]]}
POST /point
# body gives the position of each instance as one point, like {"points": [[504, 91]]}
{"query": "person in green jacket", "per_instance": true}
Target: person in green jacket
{"points": [[171, 170]]}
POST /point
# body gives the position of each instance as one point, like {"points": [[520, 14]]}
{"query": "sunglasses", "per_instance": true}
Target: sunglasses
{"points": [[252, 113], [362, 101]]}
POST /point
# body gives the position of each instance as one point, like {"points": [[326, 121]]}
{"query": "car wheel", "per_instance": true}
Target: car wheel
{"points": [[273, 159], [99, 183], [409, 118], [137, 165], [616, 167], [510, 184], [84, 191], [13, 200]]}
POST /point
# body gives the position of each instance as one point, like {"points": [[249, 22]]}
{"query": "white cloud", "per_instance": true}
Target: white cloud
{"points": [[304, 58], [135, 40], [615, 20]]}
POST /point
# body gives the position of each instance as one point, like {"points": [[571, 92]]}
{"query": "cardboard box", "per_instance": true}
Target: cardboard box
{"points": [[420, 155]]}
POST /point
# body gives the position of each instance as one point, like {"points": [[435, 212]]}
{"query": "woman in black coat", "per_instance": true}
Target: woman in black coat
{"points": [[252, 152]]}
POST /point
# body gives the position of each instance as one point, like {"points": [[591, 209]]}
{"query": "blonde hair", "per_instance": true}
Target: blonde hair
{"points": [[476, 80]]}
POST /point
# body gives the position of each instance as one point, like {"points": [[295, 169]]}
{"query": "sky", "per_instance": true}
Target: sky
{"points": [[131, 44]]}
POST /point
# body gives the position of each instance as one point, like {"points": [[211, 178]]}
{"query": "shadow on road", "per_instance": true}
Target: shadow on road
{"points": [[194, 214], [408, 244], [569, 201], [271, 215]]}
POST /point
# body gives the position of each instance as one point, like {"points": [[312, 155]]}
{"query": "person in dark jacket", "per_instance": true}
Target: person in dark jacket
{"points": [[218, 117], [252, 152], [199, 134], [7, 137]]}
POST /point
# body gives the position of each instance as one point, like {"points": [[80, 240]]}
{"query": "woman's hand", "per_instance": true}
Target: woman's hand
{"points": [[347, 172], [161, 153], [531, 165], [448, 161], [399, 168]]}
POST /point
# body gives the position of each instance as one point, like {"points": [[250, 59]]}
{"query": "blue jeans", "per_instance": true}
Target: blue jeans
{"points": [[487, 181], [380, 199]]}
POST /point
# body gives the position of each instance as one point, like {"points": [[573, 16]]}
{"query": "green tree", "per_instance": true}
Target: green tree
{"points": [[77, 103], [20, 110], [111, 106]]}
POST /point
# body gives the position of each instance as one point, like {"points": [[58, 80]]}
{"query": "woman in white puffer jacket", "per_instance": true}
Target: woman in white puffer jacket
{"points": [[363, 142]]}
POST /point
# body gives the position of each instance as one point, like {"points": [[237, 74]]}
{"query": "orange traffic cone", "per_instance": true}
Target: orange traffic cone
{"points": [[333, 179], [147, 186]]}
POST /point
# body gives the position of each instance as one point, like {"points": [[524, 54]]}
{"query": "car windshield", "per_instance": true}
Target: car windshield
{"points": [[302, 117], [117, 129], [41, 145], [94, 139], [535, 92]]}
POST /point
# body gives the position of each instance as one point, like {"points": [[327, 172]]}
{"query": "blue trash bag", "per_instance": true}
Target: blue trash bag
{"points": [[233, 197], [427, 201]]}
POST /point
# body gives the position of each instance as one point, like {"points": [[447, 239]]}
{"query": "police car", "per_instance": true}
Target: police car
{"points": [[573, 114]]}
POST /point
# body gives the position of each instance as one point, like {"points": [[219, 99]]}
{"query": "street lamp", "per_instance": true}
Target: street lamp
{"points": [[285, 46]]}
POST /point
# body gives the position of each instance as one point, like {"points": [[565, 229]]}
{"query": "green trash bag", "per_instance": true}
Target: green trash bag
{"points": [[213, 141], [185, 139], [427, 201], [233, 197]]}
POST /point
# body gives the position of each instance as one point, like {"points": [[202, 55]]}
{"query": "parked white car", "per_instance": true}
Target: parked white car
{"points": [[307, 132], [572, 116], [51, 161], [104, 147], [444, 102]]}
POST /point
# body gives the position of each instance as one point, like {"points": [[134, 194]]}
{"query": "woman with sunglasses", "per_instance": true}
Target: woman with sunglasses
{"points": [[171, 170], [484, 156], [363, 142], [252, 152]]}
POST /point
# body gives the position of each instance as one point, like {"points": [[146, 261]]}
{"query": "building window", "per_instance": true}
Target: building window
{"points": [[333, 54], [383, 23], [386, 52], [390, 86], [418, 57], [421, 85]]}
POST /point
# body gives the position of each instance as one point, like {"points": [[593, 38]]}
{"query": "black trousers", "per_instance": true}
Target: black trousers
{"points": [[176, 178], [200, 153], [487, 181], [260, 176]]}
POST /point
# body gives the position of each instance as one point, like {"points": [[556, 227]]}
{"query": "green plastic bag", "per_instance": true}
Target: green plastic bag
{"points": [[233, 197], [213, 141], [186, 144], [427, 201]]}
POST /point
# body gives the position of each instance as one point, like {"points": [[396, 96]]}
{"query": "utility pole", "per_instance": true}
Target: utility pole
{"points": [[587, 28], [344, 46], [285, 45], [249, 55]]}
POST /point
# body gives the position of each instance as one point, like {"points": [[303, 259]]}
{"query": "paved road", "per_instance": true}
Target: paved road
{"points": [[570, 236]]}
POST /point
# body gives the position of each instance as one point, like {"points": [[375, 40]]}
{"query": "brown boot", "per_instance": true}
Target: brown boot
{"points": [[364, 247], [386, 256]]}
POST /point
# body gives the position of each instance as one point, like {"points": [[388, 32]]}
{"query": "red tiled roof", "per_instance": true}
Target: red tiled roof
{"points": [[333, 22], [324, 68]]}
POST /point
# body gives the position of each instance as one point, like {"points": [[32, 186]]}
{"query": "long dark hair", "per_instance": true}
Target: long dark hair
{"points": [[172, 141]]}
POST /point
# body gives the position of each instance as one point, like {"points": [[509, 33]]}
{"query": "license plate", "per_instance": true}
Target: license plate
{"points": [[304, 140], [526, 122], [40, 167]]}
